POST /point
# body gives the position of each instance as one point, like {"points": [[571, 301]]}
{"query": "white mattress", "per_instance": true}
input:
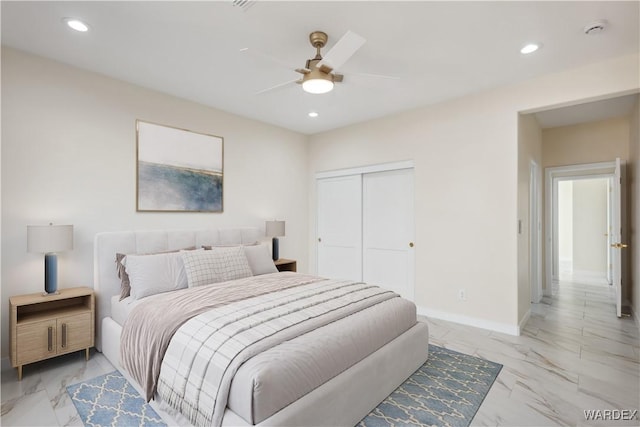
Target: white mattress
{"points": [[120, 309]]}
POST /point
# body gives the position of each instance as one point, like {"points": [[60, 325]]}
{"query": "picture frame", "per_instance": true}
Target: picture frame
{"points": [[178, 170]]}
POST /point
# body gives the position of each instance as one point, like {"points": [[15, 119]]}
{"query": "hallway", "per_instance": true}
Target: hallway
{"points": [[574, 355]]}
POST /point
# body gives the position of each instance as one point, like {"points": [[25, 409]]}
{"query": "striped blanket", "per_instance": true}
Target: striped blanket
{"points": [[151, 325], [208, 349]]}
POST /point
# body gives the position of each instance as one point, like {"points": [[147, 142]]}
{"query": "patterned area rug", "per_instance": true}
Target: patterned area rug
{"points": [[109, 400], [446, 391]]}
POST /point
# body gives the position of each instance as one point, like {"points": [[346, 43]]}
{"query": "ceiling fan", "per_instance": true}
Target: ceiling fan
{"points": [[318, 75]]}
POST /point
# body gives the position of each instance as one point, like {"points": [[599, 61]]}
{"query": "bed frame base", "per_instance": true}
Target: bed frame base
{"points": [[341, 401]]}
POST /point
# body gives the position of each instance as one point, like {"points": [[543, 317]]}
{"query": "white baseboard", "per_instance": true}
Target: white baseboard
{"points": [[524, 321], [473, 321]]}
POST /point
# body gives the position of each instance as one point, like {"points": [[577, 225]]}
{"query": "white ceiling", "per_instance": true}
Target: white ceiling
{"points": [[588, 112], [439, 50]]}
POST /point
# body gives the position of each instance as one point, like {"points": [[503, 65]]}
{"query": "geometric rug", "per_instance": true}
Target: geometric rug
{"points": [[446, 391], [109, 400]]}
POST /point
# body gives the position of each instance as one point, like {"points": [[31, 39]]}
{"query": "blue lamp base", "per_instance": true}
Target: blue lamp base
{"points": [[50, 274], [275, 249]]}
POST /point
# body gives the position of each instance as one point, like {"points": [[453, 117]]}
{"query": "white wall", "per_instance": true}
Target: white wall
{"points": [[529, 149], [582, 227], [592, 142], [590, 227], [565, 223], [68, 156], [466, 184]]}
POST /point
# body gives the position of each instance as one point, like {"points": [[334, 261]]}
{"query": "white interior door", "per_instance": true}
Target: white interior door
{"points": [[535, 276], [388, 230], [609, 235], [616, 234], [339, 230]]}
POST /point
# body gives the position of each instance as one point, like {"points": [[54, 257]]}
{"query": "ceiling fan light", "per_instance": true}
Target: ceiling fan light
{"points": [[317, 86]]}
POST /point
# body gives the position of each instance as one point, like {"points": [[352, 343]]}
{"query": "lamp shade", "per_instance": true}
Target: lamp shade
{"points": [[49, 238], [275, 228]]}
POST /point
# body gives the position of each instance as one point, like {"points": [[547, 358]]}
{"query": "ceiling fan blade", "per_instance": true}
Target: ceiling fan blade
{"points": [[337, 78], [302, 70], [342, 50], [376, 76], [279, 85], [262, 56]]}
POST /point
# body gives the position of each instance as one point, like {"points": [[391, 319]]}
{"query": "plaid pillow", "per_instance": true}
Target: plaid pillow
{"points": [[216, 265]]}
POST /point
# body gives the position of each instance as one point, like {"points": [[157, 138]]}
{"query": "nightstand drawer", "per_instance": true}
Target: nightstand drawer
{"points": [[36, 341], [73, 333]]}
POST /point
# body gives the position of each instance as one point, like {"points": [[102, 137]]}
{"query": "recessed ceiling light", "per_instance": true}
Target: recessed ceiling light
{"points": [[530, 48], [313, 114], [76, 24]]}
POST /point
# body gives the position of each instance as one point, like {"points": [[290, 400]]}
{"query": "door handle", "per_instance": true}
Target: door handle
{"points": [[50, 339], [619, 245], [319, 239], [64, 335], [411, 244]]}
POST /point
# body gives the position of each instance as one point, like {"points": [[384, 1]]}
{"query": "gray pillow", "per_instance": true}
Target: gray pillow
{"points": [[125, 285], [260, 259], [154, 274]]}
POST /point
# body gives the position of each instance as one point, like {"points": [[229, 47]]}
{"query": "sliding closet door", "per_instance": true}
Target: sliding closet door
{"points": [[339, 227], [388, 230]]}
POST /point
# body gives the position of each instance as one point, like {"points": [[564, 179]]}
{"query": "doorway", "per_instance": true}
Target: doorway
{"points": [[583, 230], [565, 214]]}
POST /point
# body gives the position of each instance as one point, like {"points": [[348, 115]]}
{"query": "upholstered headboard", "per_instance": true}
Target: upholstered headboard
{"points": [[107, 244]]}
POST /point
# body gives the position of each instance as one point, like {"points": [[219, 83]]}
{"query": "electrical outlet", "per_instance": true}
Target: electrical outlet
{"points": [[462, 295]]}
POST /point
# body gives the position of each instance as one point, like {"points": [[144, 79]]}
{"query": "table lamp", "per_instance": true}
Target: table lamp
{"points": [[275, 229], [49, 239]]}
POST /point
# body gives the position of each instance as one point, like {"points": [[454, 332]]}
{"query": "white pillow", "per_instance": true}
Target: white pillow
{"points": [[260, 259], [216, 265], [153, 274], [208, 247]]}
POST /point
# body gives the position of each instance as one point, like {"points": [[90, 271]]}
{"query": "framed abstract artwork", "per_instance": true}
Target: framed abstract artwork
{"points": [[178, 170]]}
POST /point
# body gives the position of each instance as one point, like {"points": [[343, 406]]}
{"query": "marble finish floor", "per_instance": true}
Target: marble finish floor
{"points": [[573, 355]]}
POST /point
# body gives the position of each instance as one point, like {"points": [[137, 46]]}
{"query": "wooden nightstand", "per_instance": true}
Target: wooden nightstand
{"points": [[42, 326], [286, 264]]}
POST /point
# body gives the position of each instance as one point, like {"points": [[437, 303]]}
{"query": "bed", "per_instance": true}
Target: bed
{"points": [[332, 372]]}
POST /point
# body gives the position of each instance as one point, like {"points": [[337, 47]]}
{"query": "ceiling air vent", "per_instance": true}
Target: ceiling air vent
{"points": [[244, 4]]}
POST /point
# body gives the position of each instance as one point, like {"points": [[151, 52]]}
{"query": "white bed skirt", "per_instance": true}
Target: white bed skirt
{"points": [[341, 401]]}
